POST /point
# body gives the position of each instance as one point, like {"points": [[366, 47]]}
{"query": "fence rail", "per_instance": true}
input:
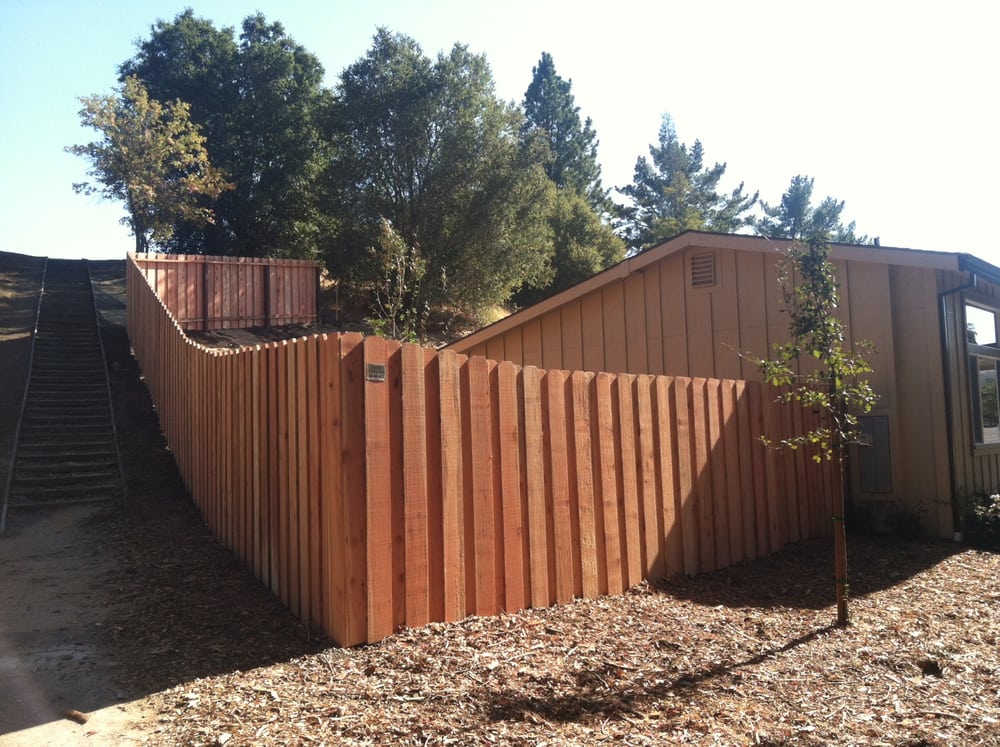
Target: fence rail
{"points": [[372, 484], [206, 293]]}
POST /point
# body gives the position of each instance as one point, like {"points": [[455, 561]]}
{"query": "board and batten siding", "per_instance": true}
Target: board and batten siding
{"points": [[644, 316]]}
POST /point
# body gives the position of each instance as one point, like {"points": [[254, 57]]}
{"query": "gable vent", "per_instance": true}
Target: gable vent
{"points": [[703, 271]]}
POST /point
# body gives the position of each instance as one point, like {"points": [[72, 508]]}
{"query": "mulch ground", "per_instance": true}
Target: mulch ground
{"points": [[743, 656], [746, 656]]}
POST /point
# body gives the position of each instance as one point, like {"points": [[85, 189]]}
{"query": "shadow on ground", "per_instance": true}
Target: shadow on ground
{"points": [[802, 576], [189, 608]]}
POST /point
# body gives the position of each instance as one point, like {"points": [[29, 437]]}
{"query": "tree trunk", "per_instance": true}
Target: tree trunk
{"points": [[840, 542]]}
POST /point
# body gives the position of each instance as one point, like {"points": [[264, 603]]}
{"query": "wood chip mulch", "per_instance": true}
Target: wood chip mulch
{"points": [[744, 656]]}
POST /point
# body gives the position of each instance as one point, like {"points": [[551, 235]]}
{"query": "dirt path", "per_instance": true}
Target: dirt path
{"points": [[57, 594]]}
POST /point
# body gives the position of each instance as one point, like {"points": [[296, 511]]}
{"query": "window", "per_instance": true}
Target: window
{"points": [[984, 364]]}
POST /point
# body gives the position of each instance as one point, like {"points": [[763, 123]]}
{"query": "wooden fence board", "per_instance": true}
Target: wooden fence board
{"points": [[314, 413], [378, 485], [536, 487], [481, 550], [394, 381], [717, 459], [687, 474], [559, 517], [671, 537], [452, 485], [610, 527], [583, 469], [703, 475], [509, 454], [628, 485], [650, 516], [435, 471], [352, 407], [331, 515], [414, 421]]}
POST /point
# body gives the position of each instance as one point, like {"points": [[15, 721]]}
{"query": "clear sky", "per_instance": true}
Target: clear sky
{"points": [[890, 106]]}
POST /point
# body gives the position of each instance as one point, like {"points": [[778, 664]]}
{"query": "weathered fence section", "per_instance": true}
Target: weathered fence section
{"points": [[206, 293], [372, 484]]}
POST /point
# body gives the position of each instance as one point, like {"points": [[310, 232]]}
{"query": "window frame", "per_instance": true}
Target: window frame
{"points": [[974, 355]]}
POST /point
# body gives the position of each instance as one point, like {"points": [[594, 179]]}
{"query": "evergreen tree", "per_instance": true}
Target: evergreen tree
{"points": [[673, 191], [550, 111], [584, 244], [796, 218]]}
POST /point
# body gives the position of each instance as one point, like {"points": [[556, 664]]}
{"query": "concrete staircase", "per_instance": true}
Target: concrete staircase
{"points": [[66, 450]]}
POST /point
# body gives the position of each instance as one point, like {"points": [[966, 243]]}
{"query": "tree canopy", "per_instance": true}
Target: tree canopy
{"points": [[795, 217], [152, 157], [412, 165], [673, 191], [262, 107], [427, 146]]}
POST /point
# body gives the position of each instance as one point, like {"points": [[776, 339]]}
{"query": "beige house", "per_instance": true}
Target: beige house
{"points": [[685, 306]]}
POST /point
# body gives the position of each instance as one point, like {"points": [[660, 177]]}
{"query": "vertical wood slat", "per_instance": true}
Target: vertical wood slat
{"points": [[719, 490], [560, 513], [609, 528], [378, 487], [352, 406], [627, 484], [509, 465], [536, 490], [481, 552], [435, 491], [586, 544], [452, 516], [414, 427], [651, 522]]}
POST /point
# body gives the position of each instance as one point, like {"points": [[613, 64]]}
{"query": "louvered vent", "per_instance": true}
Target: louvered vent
{"points": [[703, 271]]}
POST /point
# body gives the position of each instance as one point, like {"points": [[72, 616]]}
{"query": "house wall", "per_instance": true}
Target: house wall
{"points": [[651, 320]]}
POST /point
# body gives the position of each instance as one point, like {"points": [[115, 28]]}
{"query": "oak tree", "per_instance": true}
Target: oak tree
{"points": [[260, 101], [152, 157], [426, 145]]}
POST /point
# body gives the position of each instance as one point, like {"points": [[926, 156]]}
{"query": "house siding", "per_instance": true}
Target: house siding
{"points": [[648, 319]]}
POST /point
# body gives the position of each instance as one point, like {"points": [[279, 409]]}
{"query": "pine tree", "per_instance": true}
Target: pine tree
{"points": [[795, 217], [673, 191], [551, 112]]}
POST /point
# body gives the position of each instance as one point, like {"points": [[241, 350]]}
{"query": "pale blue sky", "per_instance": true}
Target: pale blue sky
{"points": [[888, 105]]}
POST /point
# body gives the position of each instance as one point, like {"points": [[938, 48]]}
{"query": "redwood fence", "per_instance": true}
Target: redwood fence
{"points": [[372, 484], [205, 293]]}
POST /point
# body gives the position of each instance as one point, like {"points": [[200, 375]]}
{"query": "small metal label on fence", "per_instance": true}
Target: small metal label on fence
{"points": [[375, 371]]}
